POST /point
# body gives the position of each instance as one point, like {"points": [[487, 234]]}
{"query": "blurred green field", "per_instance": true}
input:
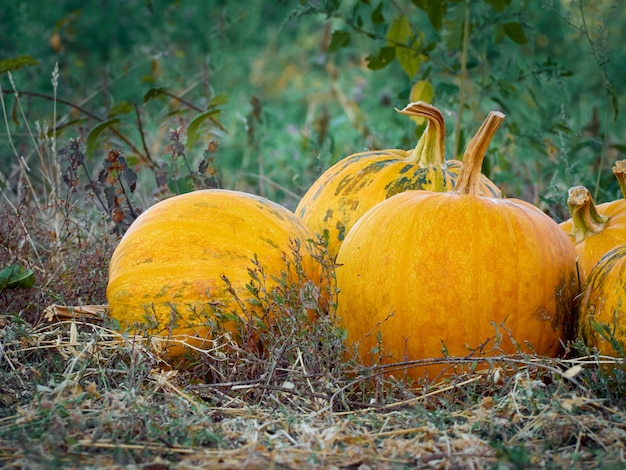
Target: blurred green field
{"points": [[288, 108]]}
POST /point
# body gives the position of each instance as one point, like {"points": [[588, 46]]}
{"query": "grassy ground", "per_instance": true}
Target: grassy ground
{"points": [[75, 393]]}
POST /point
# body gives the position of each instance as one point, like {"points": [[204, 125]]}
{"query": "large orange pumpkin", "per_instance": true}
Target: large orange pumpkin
{"points": [[167, 273], [423, 272], [595, 230], [345, 191], [602, 322]]}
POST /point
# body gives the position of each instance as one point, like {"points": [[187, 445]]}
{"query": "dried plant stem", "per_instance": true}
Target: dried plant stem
{"points": [[463, 80]]}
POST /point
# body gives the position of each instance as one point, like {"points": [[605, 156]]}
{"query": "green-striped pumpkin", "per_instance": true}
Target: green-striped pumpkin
{"points": [[341, 195], [602, 320]]}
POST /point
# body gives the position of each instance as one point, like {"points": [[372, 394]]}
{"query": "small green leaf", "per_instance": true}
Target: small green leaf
{"points": [[338, 40], [15, 276], [8, 65], [218, 100], [498, 5], [377, 14], [194, 125], [154, 93], [515, 31], [182, 185], [399, 31], [402, 38], [68, 125], [92, 138], [436, 10], [132, 160], [409, 60], [383, 58], [422, 90], [123, 107]]}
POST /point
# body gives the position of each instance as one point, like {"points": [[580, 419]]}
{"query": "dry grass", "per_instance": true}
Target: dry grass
{"points": [[76, 393]]}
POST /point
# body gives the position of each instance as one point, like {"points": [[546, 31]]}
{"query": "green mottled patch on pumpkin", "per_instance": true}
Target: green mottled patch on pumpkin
{"points": [[353, 183], [270, 242], [341, 228]]}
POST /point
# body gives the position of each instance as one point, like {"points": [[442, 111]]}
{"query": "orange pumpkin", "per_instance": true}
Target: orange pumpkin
{"points": [[357, 183], [594, 230], [423, 272], [167, 273], [602, 323]]}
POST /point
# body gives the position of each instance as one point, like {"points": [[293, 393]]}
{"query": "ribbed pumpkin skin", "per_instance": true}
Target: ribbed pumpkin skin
{"points": [[175, 253], [595, 245], [603, 302], [449, 267], [357, 183], [343, 193]]}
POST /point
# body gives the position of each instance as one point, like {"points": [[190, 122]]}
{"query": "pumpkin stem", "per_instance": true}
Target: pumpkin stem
{"points": [[430, 148], [586, 220], [619, 170], [470, 175]]}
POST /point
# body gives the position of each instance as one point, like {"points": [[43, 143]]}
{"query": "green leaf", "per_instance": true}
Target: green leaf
{"points": [[498, 5], [422, 90], [377, 14], [409, 60], [15, 63], [68, 125], [218, 100], [399, 31], [401, 36], [15, 276], [436, 10], [132, 160], [92, 138], [182, 185], [383, 58], [123, 107], [154, 93], [194, 125], [515, 31], [338, 40]]}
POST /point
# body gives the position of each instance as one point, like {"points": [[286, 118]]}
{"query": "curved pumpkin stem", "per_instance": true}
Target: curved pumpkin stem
{"points": [[430, 148], [471, 170], [586, 220], [619, 170]]}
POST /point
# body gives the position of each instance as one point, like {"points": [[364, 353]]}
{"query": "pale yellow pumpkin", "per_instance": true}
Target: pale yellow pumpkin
{"points": [[168, 273]]}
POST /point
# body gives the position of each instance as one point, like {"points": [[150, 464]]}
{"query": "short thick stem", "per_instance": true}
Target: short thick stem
{"points": [[586, 220], [471, 170], [430, 149], [619, 170]]}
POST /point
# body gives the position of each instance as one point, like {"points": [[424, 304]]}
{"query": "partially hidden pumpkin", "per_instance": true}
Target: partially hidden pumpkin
{"points": [[344, 192], [602, 323], [595, 229], [186, 259], [425, 273]]}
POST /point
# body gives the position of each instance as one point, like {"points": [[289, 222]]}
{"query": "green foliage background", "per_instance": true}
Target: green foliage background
{"points": [[295, 86]]}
